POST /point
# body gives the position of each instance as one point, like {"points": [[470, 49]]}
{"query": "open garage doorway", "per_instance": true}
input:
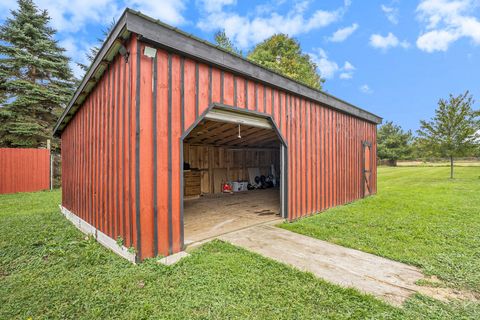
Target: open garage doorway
{"points": [[233, 174]]}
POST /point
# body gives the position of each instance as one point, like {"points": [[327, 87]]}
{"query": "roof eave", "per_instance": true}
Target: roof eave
{"points": [[106, 53]]}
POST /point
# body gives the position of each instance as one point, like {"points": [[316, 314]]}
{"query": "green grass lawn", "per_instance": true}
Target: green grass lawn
{"points": [[419, 216], [48, 269]]}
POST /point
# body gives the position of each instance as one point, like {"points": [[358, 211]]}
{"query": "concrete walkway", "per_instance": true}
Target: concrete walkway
{"points": [[391, 281]]}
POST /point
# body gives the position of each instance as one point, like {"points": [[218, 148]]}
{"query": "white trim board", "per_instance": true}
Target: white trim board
{"points": [[240, 118], [101, 237]]}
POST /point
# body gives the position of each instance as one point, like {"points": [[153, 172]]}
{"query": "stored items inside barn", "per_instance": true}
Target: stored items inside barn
{"points": [[170, 141], [231, 174]]}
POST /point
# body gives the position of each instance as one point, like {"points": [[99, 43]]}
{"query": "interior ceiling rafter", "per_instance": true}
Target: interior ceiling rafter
{"points": [[210, 132]]}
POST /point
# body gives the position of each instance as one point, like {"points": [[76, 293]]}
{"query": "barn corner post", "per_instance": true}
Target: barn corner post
{"points": [[144, 150], [51, 163], [182, 175]]}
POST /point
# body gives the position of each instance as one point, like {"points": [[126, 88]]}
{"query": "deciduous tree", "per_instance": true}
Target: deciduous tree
{"points": [[454, 130], [279, 53], [283, 54]]}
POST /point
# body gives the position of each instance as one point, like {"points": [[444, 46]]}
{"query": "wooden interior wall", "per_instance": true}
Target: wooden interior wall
{"points": [[220, 164], [121, 153]]}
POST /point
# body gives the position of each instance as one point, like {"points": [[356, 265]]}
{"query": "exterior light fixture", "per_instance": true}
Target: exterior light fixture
{"points": [[150, 52]]}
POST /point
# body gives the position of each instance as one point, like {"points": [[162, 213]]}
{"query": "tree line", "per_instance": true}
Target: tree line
{"points": [[454, 131]]}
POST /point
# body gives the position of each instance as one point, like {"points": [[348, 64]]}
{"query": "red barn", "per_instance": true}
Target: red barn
{"points": [[163, 123]]}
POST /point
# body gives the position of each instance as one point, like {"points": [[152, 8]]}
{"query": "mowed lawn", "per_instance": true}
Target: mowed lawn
{"points": [[419, 216], [48, 269]]}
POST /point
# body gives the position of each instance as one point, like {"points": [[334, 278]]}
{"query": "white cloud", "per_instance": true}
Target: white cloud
{"points": [[76, 50], [445, 22], [246, 30], [328, 68], [436, 40], [386, 42], [215, 5], [391, 13], [366, 89], [74, 15], [347, 71], [169, 11], [301, 6], [343, 33], [345, 76], [348, 66]]}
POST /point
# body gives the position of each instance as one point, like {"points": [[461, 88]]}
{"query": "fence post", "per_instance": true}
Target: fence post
{"points": [[51, 163]]}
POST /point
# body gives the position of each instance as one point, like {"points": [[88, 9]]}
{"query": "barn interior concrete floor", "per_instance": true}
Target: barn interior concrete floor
{"points": [[213, 215]]}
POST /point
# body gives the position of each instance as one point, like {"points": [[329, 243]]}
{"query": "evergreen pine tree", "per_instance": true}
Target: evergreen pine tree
{"points": [[35, 78]]}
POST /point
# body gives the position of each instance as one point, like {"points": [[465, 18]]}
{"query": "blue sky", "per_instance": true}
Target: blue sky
{"points": [[395, 58]]}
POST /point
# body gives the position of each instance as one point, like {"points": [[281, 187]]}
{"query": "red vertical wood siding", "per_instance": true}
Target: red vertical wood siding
{"points": [[162, 118], [98, 152], [121, 152], [24, 170]]}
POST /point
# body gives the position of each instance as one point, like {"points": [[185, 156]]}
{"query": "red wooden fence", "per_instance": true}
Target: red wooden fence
{"points": [[24, 170]]}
